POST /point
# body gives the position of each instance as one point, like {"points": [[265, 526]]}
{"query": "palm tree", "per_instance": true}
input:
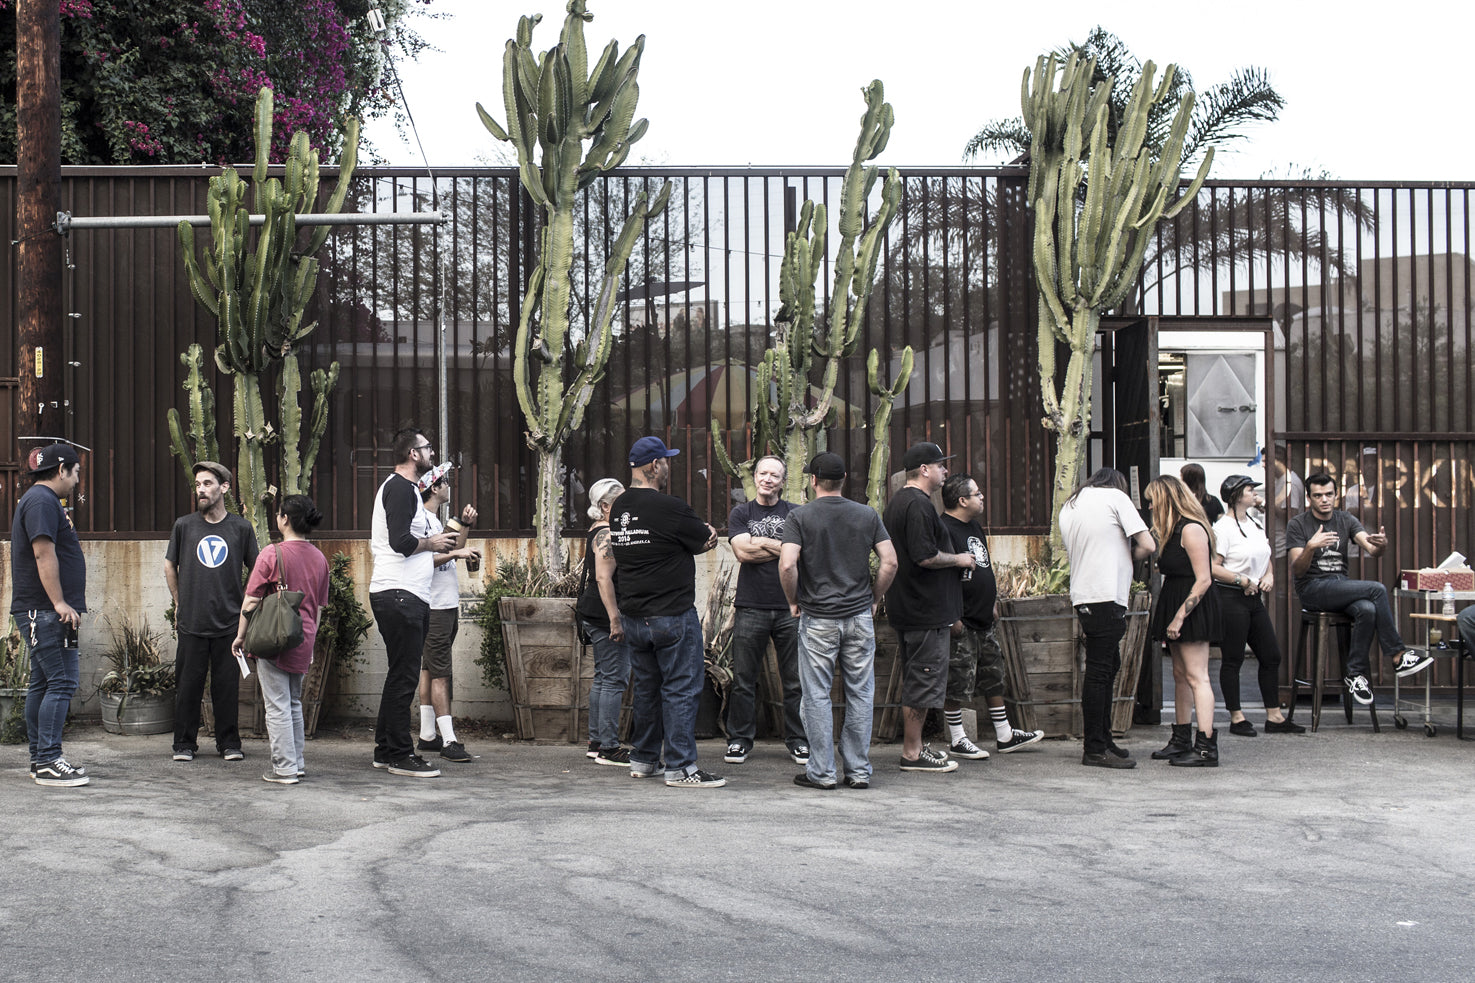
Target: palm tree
{"points": [[1220, 112]]}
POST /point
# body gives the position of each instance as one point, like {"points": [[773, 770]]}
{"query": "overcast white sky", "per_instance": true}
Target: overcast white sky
{"points": [[1371, 91]]}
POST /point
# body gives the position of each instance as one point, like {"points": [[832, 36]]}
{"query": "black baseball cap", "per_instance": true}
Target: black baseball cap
{"points": [[923, 453], [52, 455], [827, 466], [1232, 485]]}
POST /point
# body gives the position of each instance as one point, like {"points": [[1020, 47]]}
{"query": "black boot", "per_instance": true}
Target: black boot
{"points": [[1180, 743], [1205, 753]]}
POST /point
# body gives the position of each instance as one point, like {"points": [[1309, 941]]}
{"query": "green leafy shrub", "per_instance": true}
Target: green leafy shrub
{"points": [[512, 579]]}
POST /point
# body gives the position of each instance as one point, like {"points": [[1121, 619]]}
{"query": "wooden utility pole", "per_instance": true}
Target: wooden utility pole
{"points": [[39, 356]]}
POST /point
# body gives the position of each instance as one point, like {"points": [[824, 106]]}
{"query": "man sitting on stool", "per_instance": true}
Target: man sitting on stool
{"points": [[1317, 542]]}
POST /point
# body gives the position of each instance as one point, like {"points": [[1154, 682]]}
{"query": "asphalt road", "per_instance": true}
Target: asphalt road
{"points": [[1337, 856]]}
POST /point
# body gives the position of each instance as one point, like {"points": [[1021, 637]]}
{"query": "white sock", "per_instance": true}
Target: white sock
{"points": [[1002, 730], [427, 722], [447, 732], [955, 730]]}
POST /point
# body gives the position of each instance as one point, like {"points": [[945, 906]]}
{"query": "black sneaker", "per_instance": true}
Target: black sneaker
{"points": [[455, 751], [593, 750], [380, 763], [1286, 726], [184, 755], [799, 754], [233, 754], [1359, 688], [929, 760], [616, 756], [412, 766], [857, 784], [804, 781], [1243, 728], [965, 748], [59, 774], [1411, 661], [696, 779], [1105, 760], [1019, 739], [436, 743], [736, 754]]}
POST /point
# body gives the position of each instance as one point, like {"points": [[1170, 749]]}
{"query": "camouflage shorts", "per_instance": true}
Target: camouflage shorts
{"points": [[975, 665]]}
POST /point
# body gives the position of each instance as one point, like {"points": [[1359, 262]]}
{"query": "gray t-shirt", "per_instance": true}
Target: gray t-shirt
{"points": [[210, 558], [835, 537], [1328, 561]]}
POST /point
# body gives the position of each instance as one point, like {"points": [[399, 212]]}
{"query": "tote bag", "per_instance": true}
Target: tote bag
{"points": [[276, 624]]}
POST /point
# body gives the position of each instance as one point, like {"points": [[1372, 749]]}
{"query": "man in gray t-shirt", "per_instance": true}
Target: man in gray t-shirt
{"points": [[825, 569]]}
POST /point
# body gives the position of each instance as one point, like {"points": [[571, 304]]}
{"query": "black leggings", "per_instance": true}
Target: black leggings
{"points": [[1246, 619]]}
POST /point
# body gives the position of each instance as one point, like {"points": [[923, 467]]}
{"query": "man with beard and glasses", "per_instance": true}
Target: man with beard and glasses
{"points": [[208, 551], [404, 548]]}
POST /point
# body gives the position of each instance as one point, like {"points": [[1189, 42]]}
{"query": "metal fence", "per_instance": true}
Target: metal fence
{"points": [[1368, 284]]}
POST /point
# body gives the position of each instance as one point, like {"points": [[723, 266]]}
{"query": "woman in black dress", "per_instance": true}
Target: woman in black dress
{"points": [[1186, 616]]}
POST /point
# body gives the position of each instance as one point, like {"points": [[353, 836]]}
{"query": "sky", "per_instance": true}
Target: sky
{"points": [[765, 82]]}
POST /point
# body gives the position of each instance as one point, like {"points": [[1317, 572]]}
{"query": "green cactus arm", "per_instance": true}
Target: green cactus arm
{"points": [[522, 383], [197, 285], [263, 132], [347, 164], [493, 127], [323, 384], [289, 388], [177, 445], [576, 59]]}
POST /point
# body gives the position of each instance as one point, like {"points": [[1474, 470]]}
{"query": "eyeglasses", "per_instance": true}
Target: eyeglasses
{"points": [[421, 447]]}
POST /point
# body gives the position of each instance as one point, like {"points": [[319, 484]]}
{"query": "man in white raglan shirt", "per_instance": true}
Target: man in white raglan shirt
{"points": [[404, 549]]}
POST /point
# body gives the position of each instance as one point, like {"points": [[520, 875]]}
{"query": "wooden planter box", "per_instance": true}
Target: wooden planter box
{"points": [[1044, 659], [548, 668]]}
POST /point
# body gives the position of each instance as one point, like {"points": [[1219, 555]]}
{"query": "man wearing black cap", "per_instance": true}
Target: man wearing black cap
{"points": [[655, 538], [825, 570], [924, 601], [207, 551], [48, 579]]}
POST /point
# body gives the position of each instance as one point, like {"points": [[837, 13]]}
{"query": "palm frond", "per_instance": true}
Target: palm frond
{"points": [[1006, 136], [1221, 112]]}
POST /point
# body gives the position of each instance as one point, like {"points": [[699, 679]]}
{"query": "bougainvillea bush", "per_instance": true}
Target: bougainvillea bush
{"points": [[175, 81]]}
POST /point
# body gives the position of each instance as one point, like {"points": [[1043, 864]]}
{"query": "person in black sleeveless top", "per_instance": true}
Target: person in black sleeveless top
{"points": [[599, 617], [1186, 616]]}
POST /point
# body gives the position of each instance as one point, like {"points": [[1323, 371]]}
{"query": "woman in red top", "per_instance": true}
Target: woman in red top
{"points": [[297, 565]]}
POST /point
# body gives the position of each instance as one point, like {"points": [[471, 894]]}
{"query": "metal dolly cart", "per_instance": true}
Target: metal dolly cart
{"points": [[1426, 619]]}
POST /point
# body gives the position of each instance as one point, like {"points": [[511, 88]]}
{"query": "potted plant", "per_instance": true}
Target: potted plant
{"points": [[1040, 639], [15, 679], [137, 694]]}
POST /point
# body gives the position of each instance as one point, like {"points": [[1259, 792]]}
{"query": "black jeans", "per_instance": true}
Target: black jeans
{"points": [[1103, 623], [403, 620], [1244, 618], [751, 630], [194, 658]]}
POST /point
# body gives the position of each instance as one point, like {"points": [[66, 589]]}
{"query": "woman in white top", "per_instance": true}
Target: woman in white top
{"points": [[1242, 574]]}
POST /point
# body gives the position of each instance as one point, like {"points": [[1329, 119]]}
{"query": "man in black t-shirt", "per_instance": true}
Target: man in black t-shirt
{"points": [[754, 530], [48, 581], [208, 549], [655, 538], [1317, 543], [924, 600], [976, 663]]}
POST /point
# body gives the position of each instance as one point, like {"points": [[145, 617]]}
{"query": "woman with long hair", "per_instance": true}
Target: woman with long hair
{"points": [[1193, 476], [292, 564], [1242, 578], [1186, 617], [599, 620]]}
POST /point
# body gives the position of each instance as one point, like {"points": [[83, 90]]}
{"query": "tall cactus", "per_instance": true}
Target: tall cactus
{"points": [[555, 105], [1097, 197], [790, 421], [257, 288]]}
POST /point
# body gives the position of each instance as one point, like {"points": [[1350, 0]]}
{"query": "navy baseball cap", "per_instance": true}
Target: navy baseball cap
{"points": [[648, 449]]}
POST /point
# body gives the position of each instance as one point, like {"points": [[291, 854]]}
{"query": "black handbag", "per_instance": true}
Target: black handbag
{"points": [[275, 626]]}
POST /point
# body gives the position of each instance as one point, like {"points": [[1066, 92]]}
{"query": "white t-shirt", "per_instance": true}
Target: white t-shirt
{"points": [[397, 503], [445, 589], [1243, 545], [1098, 527]]}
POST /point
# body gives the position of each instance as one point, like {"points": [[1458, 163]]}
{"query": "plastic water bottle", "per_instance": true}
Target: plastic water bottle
{"points": [[1449, 600]]}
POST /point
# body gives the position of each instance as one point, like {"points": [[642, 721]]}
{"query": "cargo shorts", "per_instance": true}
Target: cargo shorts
{"points": [[975, 665]]}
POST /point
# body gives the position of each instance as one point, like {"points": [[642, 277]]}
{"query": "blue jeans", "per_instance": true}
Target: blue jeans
{"points": [[607, 691], [849, 643], [1366, 603], [1104, 624], [282, 694], [751, 630], [666, 660], [55, 670]]}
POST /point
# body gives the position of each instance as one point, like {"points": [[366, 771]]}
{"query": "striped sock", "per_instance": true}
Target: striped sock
{"points": [[954, 725], [1002, 730]]}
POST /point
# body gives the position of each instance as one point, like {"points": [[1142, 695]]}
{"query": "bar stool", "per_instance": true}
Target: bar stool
{"points": [[1323, 627]]}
